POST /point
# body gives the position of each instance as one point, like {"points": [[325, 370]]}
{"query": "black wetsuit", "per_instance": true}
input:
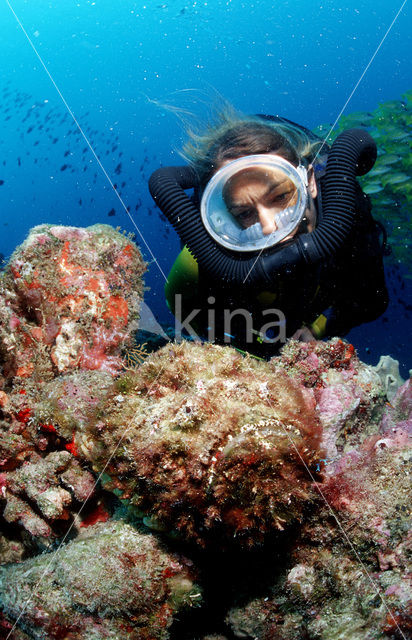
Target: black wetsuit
{"points": [[331, 297], [345, 290]]}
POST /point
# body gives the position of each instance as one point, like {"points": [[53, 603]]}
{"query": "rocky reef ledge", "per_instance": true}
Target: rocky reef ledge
{"points": [[200, 495]]}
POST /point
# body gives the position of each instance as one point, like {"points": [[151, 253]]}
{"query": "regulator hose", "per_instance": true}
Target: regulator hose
{"points": [[352, 154]]}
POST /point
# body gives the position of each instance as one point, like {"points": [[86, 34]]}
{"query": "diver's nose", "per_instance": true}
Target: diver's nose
{"points": [[267, 220]]}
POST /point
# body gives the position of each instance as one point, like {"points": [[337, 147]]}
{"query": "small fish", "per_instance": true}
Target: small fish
{"points": [[387, 202], [373, 187], [378, 171], [396, 178], [112, 212], [388, 159]]}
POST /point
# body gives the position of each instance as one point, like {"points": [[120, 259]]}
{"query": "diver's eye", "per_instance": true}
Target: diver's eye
{"points": [[281, 198], [244, 215]]}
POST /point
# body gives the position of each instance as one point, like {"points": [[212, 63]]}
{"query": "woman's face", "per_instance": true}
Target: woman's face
{"points": [[260, 195]]}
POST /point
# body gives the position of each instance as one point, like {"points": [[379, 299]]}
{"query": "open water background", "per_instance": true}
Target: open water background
{"points": [[113, 62]]}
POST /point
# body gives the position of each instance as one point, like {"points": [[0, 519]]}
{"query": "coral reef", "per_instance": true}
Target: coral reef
{"points": [[347, 576], [208, 443], [348, 394], [295, 468], [68, 307], [70, 299], [46, 485], [111, 582], [68, 403], [42, 482], [11, 551]]}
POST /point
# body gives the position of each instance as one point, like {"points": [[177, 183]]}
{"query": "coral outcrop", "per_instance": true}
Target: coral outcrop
{"points": [[300, 462], [208, 443], [70, 299], [111, 582], [68, 306], [348, 575], [348, 394]]}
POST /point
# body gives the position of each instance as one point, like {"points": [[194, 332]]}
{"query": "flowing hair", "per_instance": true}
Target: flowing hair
{"points": [[233, 135]]}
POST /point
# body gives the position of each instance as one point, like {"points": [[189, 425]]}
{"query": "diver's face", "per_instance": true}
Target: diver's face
{"points": [[259, 195]]}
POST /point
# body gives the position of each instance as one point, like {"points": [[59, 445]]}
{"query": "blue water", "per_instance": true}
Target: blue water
{"points": [[112, 61]]}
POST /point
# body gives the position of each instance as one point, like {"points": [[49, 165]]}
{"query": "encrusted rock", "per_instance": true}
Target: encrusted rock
{"points": [[348, 394], [69, 303], [348, 572], [111, 582], [388, 371], [209, 443], [69, 300]]}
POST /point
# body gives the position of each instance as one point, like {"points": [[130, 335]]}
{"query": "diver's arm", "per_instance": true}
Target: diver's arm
{"points": [[184, 176]]}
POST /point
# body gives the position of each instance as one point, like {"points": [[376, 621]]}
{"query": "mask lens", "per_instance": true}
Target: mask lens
{"points": [[257, 194], [253, 202]]}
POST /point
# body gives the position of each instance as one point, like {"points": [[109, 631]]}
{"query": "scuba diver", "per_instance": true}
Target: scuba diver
{"points": [[278, 238]]}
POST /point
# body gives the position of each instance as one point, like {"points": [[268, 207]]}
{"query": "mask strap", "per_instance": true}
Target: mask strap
{"points": [[303, 172]]}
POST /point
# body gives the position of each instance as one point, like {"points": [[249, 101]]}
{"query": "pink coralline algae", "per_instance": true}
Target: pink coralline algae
{"points": [[348, 394], [111, 582]]}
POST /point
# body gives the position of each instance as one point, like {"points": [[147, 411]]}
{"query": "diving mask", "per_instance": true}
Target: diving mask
{"points": [[254, 202]]}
